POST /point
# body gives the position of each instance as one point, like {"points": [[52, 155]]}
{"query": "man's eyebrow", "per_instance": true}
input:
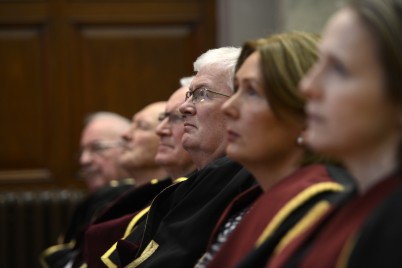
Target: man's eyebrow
{"points": [[198, 86]]}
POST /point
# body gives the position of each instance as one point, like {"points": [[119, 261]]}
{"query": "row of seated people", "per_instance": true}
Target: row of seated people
{"points": [[114, 151], [295, 142]]}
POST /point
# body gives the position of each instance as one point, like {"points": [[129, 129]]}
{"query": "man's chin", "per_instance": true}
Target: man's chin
{"points": [[94, 182], [90, 174], [126, 160], [162, 159], [189, 143]]}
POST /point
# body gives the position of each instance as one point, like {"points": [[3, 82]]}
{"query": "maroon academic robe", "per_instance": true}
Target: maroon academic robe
{"points": [[300, 187], [328, 242], [111, 224], [100, 237]]}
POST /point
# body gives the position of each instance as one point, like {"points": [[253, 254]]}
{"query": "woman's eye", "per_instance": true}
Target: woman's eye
{"points": [[339, 68], [251, 91]]}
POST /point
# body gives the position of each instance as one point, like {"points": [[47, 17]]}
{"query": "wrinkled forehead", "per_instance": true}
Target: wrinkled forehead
{"points": [[212, 77]]}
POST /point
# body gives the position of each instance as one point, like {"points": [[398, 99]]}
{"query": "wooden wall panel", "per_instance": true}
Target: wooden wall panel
{"points": [[22, 105], [63, 59], [156, 55]]}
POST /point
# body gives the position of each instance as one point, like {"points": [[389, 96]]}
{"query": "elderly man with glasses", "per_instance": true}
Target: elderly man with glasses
{"points": [[174, 230], [116, 157], [100, 147], [171, 154], [113, 223]]}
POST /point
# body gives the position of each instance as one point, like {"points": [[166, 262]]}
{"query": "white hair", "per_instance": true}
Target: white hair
{"points": [[186, 81], [224, 57]]}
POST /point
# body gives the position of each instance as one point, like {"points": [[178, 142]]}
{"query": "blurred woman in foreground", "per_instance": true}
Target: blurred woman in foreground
{"points": [[355, 115]]}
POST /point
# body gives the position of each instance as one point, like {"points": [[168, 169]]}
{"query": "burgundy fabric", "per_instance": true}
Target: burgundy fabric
{"points": [[336, 228], [100, 237], [111, 224], [244, 199], [244, 237]]}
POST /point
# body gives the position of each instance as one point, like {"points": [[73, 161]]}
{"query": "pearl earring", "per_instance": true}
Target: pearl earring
{"points": [[300, 141]]}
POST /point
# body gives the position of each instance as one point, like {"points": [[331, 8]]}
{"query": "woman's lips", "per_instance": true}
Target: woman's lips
{"points": [[314, 118], [231, 135]]}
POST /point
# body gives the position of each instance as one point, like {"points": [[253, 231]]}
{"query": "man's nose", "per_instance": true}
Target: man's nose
{"points": [[85, 157]]}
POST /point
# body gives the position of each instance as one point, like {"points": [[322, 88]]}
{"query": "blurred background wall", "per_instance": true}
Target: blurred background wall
{"points": [[308, 15], [240, 20]]}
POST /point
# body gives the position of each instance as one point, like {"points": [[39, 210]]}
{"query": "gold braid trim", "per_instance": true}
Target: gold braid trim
{"points": [[346, 252], [148, 251], [134, 221], [106, 257], [295, 203], [53, 249], [303, 224], [181, 179]]}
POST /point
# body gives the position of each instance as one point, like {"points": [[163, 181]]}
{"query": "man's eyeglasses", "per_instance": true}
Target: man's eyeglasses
{"points": [[100, 147], [200, 94], [173, 118]]}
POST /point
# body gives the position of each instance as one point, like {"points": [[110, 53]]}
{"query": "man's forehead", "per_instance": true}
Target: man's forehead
{"points": [[177, 99], [148, 113], [173, 107], [208, 77], [98, 134], [143, 117]]}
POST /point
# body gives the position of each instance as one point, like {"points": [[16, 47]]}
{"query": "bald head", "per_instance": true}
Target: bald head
{"points": [[101, 147]]}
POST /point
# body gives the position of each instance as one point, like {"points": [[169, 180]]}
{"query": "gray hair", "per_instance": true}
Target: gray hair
{"points": [[224, 57]]}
